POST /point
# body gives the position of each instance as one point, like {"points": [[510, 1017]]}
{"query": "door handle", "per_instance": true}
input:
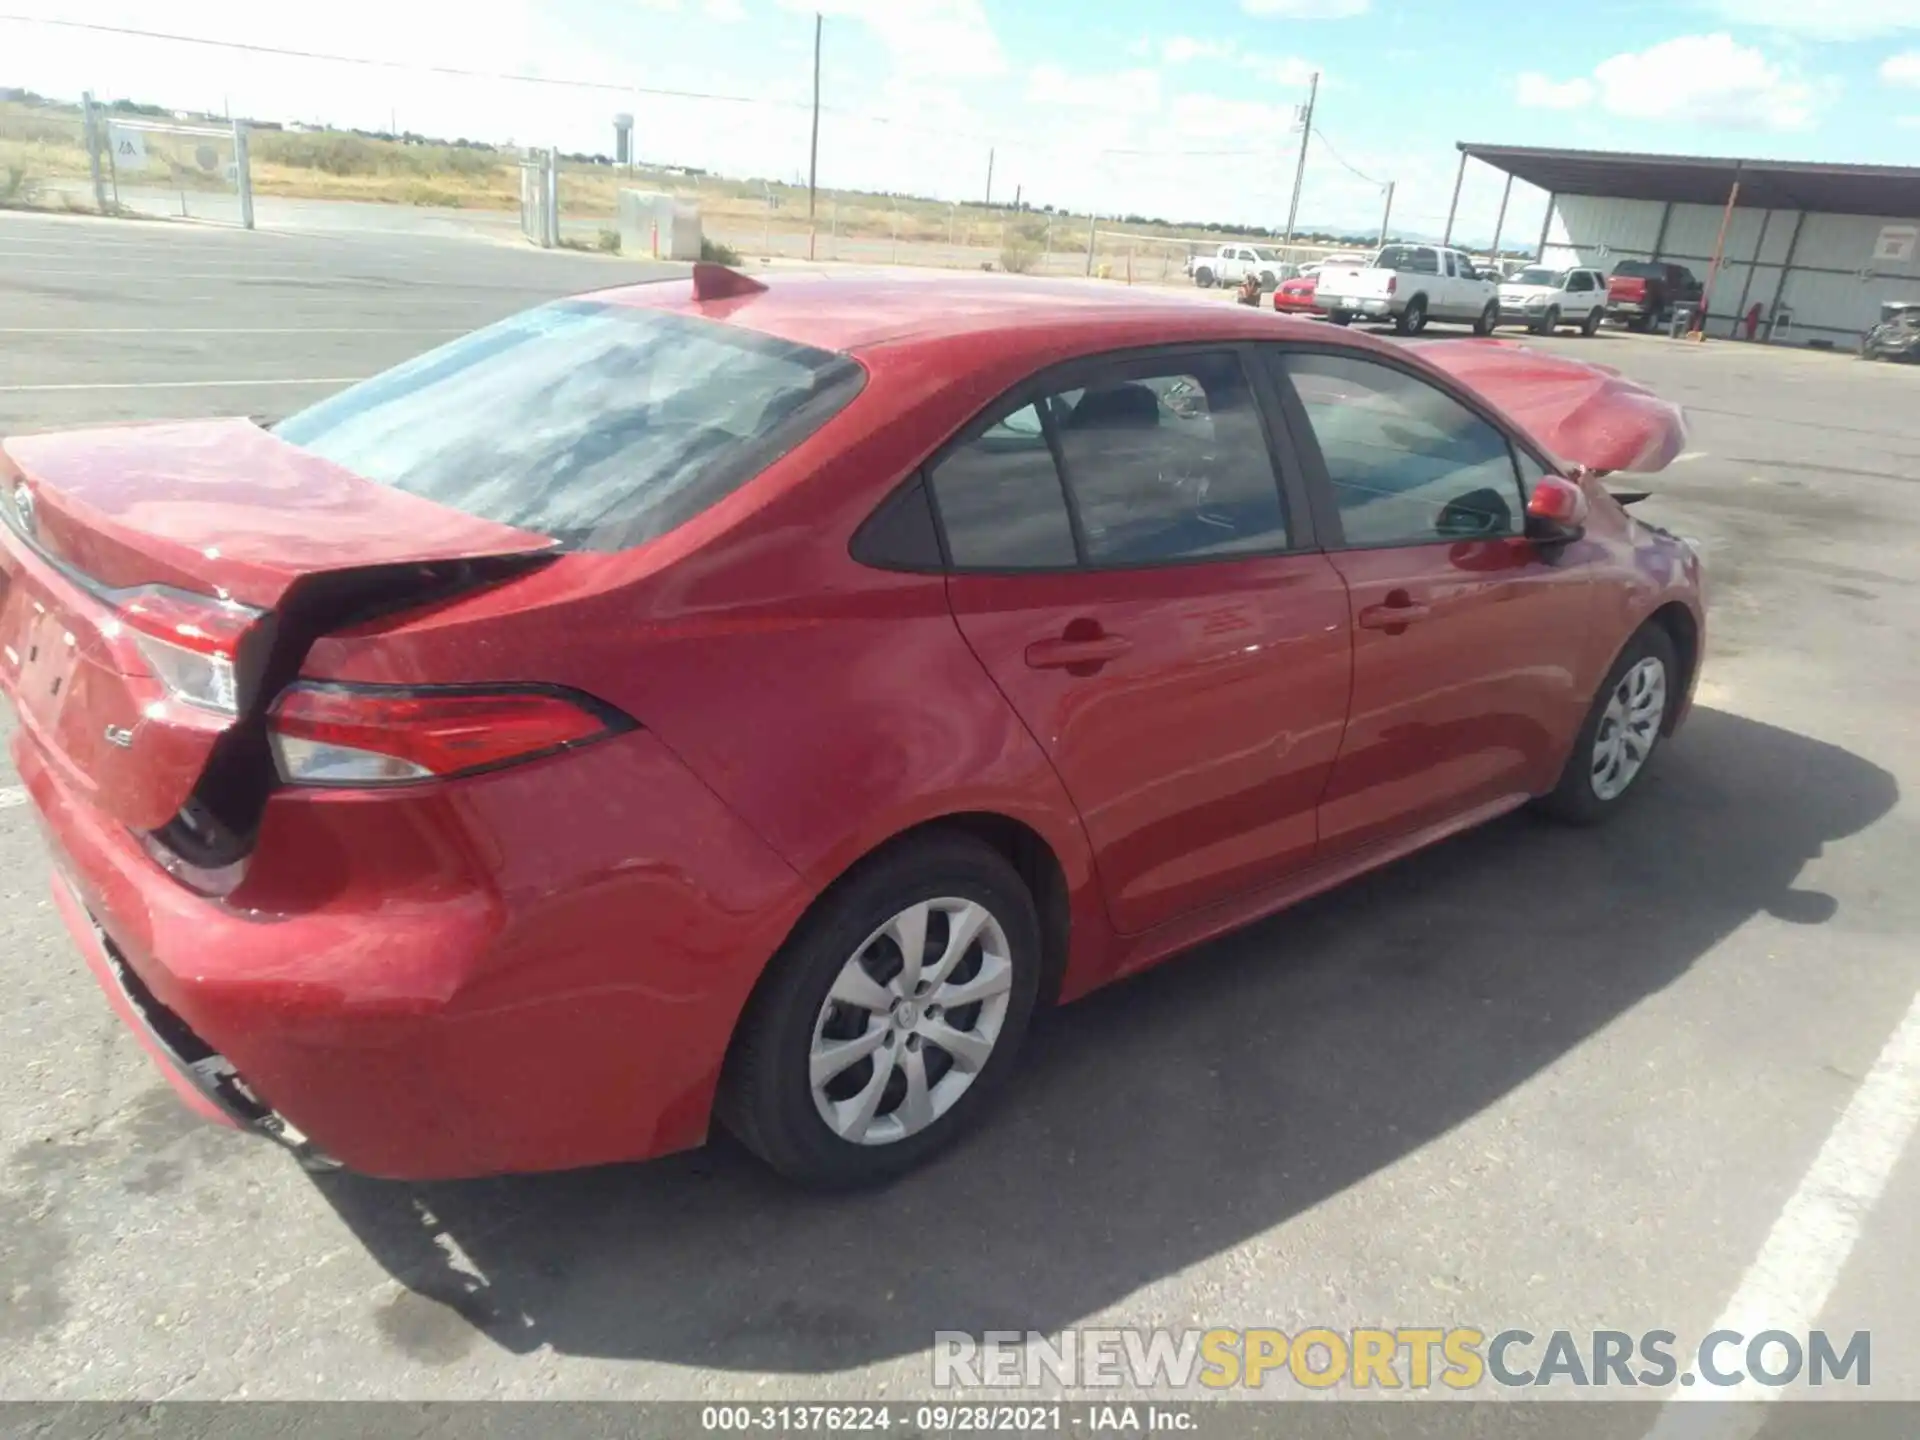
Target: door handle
{"points": [[1399, 611], [1072, 654]]}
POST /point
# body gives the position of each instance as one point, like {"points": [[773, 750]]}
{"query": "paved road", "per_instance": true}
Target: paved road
{"points": [[1533, 1078]]}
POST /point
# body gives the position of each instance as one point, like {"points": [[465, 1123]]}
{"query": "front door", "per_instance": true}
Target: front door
{"points": [[1466, 634], [1125, 569]]}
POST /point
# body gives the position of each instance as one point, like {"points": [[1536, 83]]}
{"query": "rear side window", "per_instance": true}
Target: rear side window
{"points": [[1000, 499], [602, 426]]}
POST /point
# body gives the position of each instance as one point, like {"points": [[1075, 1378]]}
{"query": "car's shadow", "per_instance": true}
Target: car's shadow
{"points": [[1158, 1123]]}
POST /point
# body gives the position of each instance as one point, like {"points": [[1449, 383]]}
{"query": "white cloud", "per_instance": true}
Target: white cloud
{"points": [[1211, 117], [1279, 69], [1305, 9], [1274, 69], [923, 37], [1827, 19], [1537, 92], [1126, 92], [1705, 80], [1180, 49], [1902, 69]]}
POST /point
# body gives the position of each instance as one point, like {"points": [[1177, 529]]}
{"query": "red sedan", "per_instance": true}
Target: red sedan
{"points": [[1295, 296], [715, 700]]}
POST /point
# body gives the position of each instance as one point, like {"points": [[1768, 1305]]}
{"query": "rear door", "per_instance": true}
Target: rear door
{"points": [[1466, 634], [1130, 570]]}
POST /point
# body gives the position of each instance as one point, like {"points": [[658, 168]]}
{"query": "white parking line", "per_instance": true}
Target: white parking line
{"points": [[1686, 455], [1789, 1282], [179, 384], [11, 795]]}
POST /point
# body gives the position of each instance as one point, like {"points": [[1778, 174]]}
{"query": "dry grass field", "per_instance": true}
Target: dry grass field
{"points": [[43, 158]]}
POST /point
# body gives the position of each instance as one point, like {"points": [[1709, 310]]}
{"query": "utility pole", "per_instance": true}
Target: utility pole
{"points": [[1386, 214], [813, 147], [1300, 171], [989, 175]]}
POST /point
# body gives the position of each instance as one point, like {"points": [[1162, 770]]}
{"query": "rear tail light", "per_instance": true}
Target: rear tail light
{"points": [[371, 735], [190, 642], [1393, 284]]}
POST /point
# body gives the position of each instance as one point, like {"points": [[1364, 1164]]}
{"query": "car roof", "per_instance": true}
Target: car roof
{"points": [[859, 311]]}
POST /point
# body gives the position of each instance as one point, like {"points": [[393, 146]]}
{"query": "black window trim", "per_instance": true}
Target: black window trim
{"points": [[1326, 510], [1282, 457]]}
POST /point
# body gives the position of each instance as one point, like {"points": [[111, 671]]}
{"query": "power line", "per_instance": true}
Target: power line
{"points": [[453, 70], [521, 77], [1341, 161]]}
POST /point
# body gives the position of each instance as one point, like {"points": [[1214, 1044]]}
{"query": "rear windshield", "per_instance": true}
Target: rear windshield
{"points": [[599, 425], [1641, 270], [1408, 257]]}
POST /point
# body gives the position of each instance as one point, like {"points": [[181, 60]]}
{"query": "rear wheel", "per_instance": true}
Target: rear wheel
{"points": [[1413, 319], [1489, 318], [890, 1018], [1339, 317], [1203, 277], [1591, 325], [1621, 731], [1269, 281]]}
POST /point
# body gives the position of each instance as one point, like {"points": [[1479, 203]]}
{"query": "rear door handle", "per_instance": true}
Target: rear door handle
{"points": [[1397, 612], [1064, 654]]}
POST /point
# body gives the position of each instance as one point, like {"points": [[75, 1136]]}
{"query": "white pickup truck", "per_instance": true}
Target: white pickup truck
{"points": [[1231, 264], [1410, 284]]}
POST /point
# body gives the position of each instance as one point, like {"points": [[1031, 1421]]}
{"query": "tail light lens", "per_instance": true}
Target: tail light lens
{"points": [[190, 642], [1393, 284], [370, 735]]}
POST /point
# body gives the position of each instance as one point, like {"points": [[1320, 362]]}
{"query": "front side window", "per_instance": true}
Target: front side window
{"points": [[1408, 464], [599, 425]]}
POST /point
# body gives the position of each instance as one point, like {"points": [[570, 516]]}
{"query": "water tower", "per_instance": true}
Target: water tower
{"points": [[623, 140]]}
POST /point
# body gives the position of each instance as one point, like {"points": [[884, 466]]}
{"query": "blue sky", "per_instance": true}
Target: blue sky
{"points": [[1181, 110]]}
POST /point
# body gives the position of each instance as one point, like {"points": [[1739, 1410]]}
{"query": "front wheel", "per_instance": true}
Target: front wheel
{"points": [[1413, 319], [889, 1018], [1620, 733], [1489, 318]]}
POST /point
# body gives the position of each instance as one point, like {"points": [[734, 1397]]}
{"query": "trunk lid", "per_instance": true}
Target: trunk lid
{"points": [[219, 543], [226, 508], [1627, 289], [1590, 414]]}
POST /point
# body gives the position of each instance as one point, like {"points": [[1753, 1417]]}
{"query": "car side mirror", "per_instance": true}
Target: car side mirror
{"points": [[1557, 513]]}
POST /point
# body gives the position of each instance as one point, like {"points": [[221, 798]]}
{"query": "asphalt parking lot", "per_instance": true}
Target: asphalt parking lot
{"points": [[1533, 1078]]}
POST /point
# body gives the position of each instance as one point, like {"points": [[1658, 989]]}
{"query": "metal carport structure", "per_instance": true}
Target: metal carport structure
{"points": [[1827, 243]]}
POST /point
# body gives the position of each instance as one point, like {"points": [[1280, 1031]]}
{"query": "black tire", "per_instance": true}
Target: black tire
{"points": [[766, 1098], [1413, 319], [1203, 277], [1489, 319], [1591, 325], [1574, 800], [1640, 324], [1339, 317], [1269, 281]]}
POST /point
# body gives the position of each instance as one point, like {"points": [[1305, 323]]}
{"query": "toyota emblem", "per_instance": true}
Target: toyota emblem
{"points": [[23, 507]]}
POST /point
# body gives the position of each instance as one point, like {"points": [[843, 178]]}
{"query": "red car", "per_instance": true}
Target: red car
{"points": [[722, 700], [1295, 296]]}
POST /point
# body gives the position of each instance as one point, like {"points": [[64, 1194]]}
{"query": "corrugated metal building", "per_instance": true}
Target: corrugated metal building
{"points": [[1829, 244]]}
